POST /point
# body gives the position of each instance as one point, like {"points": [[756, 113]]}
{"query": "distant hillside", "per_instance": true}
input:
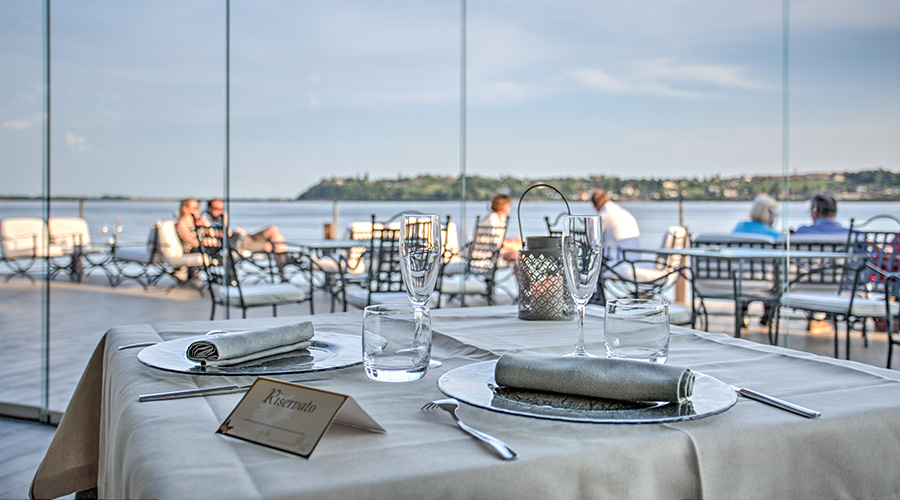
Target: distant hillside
{"points": [[866, 185]]}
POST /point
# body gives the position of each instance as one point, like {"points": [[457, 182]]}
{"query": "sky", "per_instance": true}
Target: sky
{"points": [[659, 88]]}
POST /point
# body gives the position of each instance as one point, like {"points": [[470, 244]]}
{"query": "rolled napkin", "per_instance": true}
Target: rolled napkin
{"points": [[227, 349], [595, 377]]}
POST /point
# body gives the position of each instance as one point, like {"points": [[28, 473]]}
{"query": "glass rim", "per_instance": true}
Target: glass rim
{"points": [[394, 307], [635, 303]]}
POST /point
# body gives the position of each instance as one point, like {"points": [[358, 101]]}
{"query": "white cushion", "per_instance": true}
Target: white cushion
{"points": [[188, 259], [330, 266], [139, 254], [453, 285], [830, 303], [22, 237], [265, 294], [454, 267], [67, 232], [167, 239], [643, 272], [679, 315]]}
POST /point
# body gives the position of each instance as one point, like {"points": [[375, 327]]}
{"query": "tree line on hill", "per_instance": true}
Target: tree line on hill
{"points": [[880, 184]]}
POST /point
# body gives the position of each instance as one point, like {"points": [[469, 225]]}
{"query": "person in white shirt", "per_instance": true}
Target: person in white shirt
{"points": [[620, 228], [501, 205]]}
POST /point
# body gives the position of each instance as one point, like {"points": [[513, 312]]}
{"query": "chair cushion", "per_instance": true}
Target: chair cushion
{"points": [[133, 254], [68, 232], [454, 267], [642, 272], [264, 294], [188, 259], [21, 236], [679, 315], [830, 303], [330, 266], [453, 285], [167, 239]]}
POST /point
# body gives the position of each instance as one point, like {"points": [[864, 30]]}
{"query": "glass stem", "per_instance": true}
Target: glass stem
{"points": [[579, 346]]}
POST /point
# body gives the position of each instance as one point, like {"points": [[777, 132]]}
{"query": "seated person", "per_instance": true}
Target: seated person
{"points": [[823, 210], [186, 221], [501, 204], [268, 240], [620, 228], [763, 212]]}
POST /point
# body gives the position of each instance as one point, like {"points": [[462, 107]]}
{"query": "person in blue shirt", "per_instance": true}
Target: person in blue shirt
{"points": [[763, 212], [823, 210]]}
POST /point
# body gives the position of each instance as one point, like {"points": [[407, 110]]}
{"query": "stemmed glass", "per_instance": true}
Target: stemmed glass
{"points": [[420, 254], [581, 259]]}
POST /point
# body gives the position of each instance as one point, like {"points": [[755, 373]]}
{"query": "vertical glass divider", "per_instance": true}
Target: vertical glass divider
{"points": [[226, 188], [45, 209], [785, 143], [462, 134]]}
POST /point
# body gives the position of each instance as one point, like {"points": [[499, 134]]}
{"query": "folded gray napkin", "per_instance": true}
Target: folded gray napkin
{"points": [[596, 377], [225, 349]]}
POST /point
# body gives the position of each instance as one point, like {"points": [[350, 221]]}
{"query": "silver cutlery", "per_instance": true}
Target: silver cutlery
{"points": [[777, 403], [209, 391], [450, 405], [136, 344]]}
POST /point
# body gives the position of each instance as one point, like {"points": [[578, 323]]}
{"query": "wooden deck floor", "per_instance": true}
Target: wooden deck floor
{"points": [[81, 314]]}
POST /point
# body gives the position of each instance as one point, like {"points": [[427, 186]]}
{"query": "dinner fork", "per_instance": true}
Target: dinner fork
{"points": [[450, 405]]}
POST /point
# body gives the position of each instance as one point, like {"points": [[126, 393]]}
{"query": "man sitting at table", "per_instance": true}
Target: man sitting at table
{"points": [[268, 240], [823, 210], [620, 228]]}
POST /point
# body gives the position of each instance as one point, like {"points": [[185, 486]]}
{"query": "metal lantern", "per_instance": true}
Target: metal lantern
{"points": [[543, 294]]}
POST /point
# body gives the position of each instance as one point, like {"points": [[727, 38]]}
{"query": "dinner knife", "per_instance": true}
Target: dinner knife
{"points": [[208, 391], [777, 403]]}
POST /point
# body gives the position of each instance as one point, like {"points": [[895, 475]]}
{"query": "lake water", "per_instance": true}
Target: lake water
{"points": [[305, 219]]}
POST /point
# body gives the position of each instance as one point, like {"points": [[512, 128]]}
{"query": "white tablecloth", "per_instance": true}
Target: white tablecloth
{"points": [[169, 449]]}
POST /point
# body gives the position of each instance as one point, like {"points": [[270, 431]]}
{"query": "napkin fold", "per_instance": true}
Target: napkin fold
{"points": [[595, 377], [227, 349]]}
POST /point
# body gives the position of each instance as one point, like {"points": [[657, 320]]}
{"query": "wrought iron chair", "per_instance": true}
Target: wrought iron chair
{"points": [[891, 310], [23, 241], [475, 271], [384, 281], [740, 281], [860, 293], [651, 277], [554, 228], [226, 289], [70, 236]]}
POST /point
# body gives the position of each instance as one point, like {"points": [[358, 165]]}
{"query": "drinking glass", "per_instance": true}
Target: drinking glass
{"points": [[581, 259], [637, 329], [396, 342], [420, 254]]}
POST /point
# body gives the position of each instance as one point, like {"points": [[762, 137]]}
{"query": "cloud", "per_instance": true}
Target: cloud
{"points": [[77, 143], [24, 124], [666, 78]]}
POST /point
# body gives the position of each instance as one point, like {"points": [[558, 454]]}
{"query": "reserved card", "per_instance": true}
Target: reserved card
{"points": [[291, 417]]}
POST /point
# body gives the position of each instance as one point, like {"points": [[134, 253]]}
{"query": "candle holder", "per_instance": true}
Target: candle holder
{"points": [[540, 274]]}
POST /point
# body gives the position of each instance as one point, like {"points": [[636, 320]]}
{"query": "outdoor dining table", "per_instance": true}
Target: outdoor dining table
{"points": [[169, 449], [331, 258], [742, 255]]}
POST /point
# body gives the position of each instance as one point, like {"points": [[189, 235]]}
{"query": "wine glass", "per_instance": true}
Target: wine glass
{"points": [[581, 259], [420, 253]]}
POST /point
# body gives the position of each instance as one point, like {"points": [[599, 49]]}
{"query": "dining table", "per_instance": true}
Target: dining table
{"points": [[109, 440], [331, 257], [757, 263]]}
